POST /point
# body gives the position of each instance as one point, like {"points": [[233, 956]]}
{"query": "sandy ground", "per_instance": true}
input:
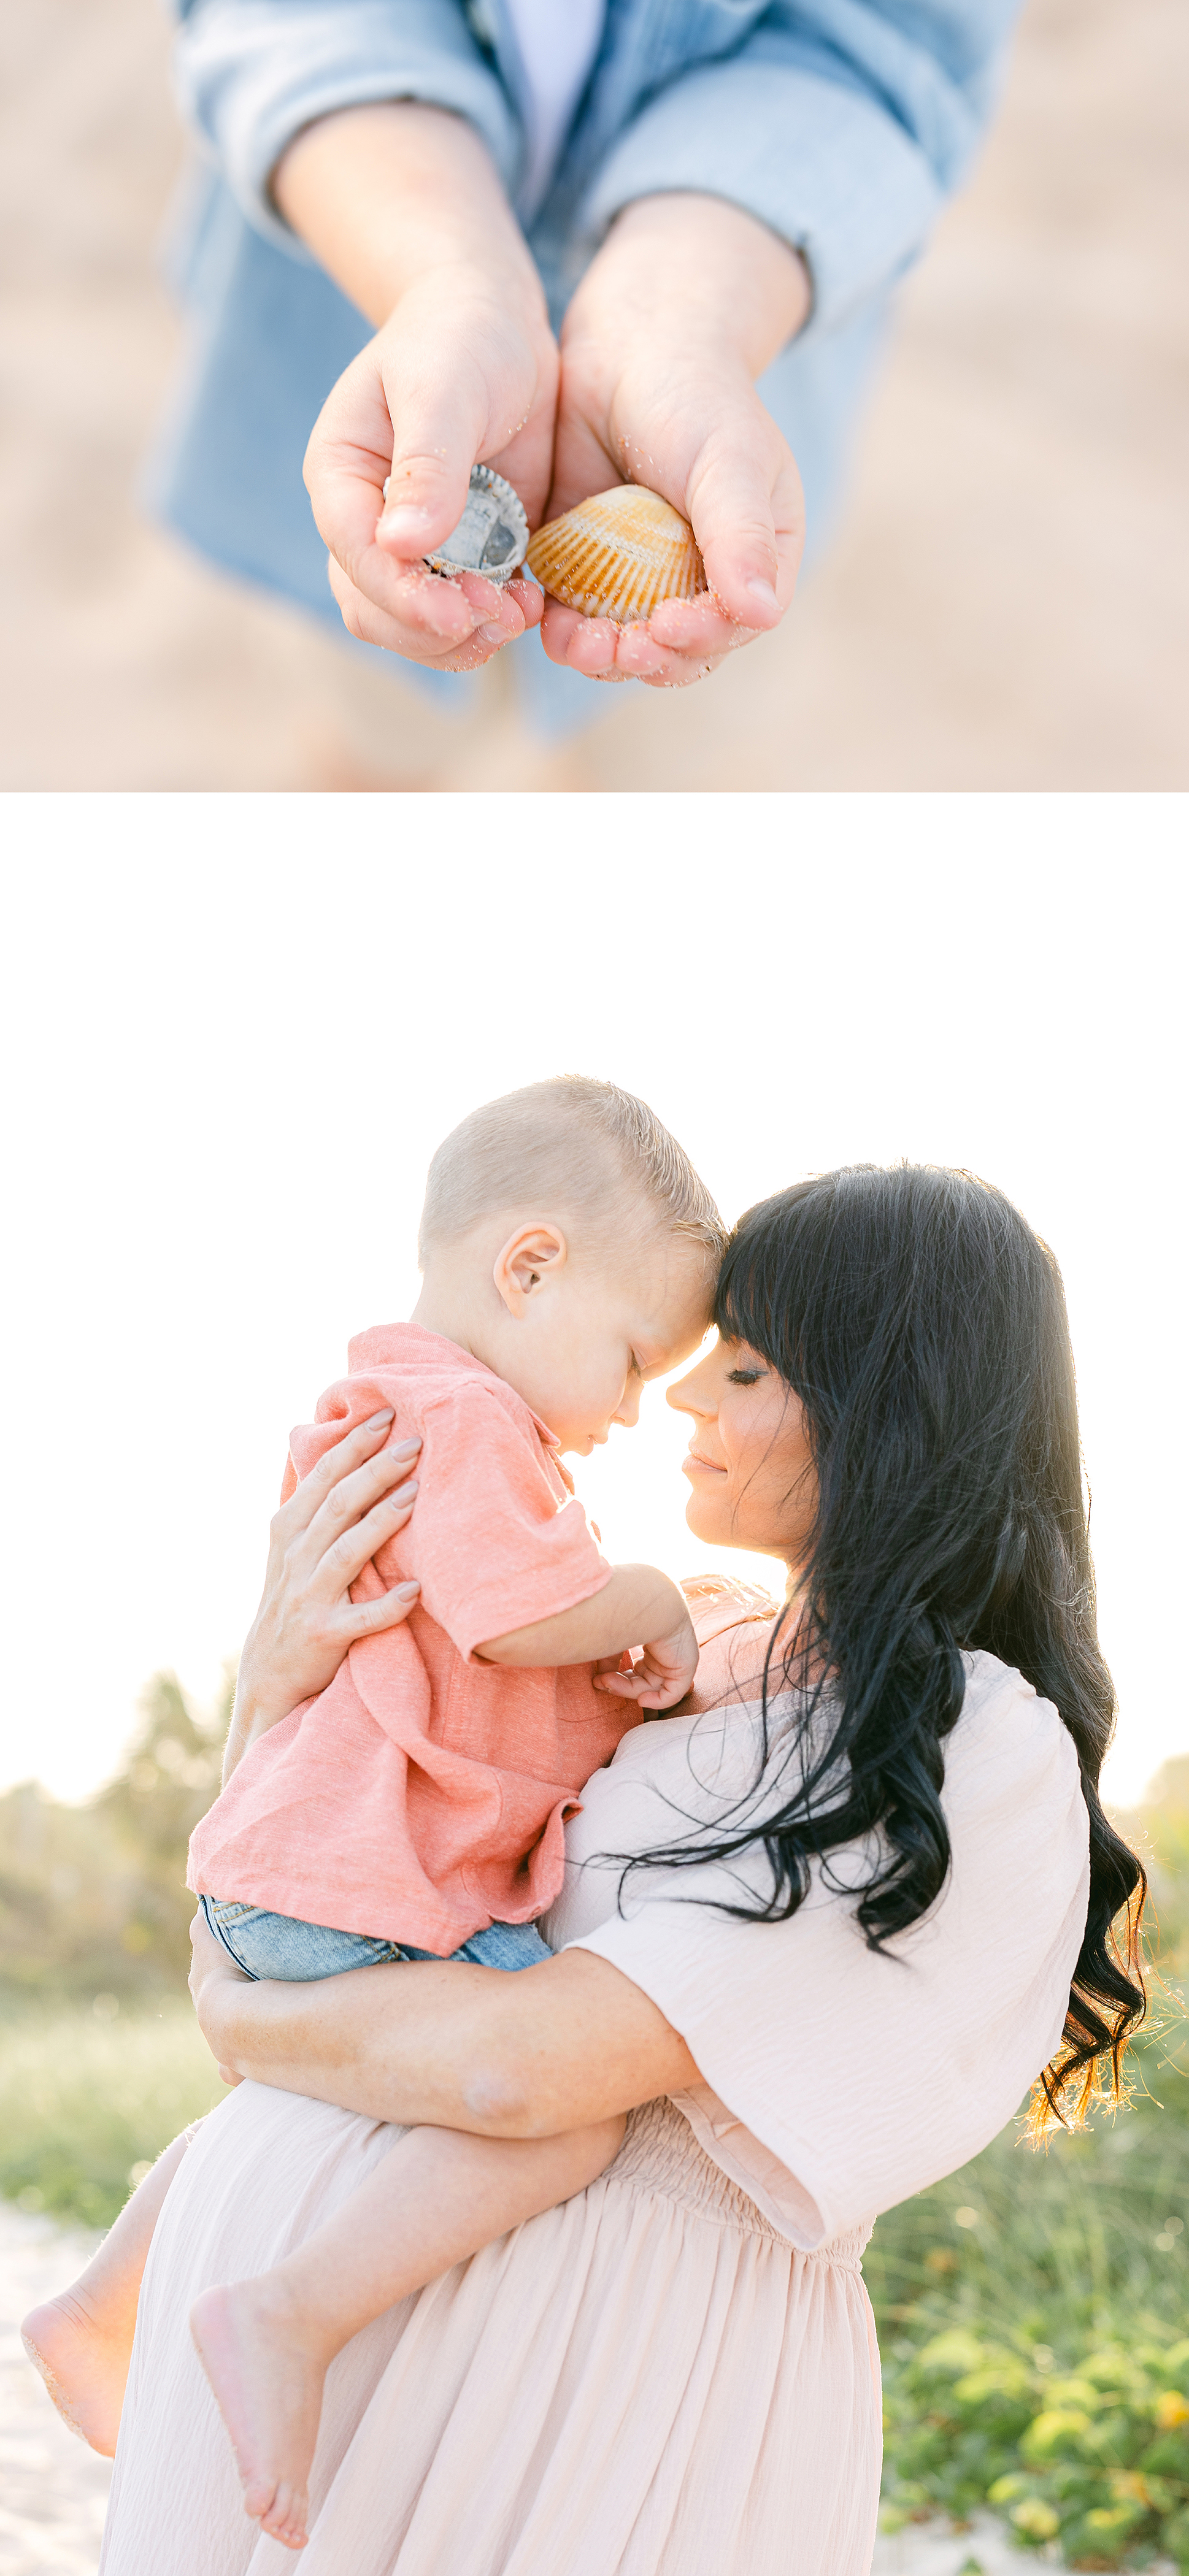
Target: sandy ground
{"points": [[53, 2490], [1005, 606]]}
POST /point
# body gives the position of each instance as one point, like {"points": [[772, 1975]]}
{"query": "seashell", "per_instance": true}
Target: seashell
{"points": [[491, 535], [617, 555]]}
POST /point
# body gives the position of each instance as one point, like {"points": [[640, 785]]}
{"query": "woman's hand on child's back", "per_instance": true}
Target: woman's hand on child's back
{"points": [[686, 303], [359, 1495]]}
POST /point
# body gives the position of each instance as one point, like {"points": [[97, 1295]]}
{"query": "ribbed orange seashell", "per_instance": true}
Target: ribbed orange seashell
{"points": [[617, 555]]}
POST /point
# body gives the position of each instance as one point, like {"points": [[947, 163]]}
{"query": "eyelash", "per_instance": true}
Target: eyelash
{"points": [[744, 1377]]}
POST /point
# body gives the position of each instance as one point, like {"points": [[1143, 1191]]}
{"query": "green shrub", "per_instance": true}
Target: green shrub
{"points": [[93, 1899], [1033, 2308]]}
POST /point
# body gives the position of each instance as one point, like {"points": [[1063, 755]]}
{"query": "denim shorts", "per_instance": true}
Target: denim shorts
{"points": [[276, 1945]]}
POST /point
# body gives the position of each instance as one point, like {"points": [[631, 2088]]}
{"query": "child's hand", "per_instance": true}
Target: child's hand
{"points": [[402, 206], [453, 379], [663, 1674], [686, 303]]}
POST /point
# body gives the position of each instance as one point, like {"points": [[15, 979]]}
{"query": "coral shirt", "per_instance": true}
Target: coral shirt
{"points": [[422, 1795]]}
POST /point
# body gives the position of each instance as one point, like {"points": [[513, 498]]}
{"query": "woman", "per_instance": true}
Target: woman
{"points": [[867, 1898]]}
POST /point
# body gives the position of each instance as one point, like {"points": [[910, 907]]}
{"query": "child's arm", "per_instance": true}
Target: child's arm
{"points": [[638, 1606], [436, 2199], [687, 302], [402, 205]]}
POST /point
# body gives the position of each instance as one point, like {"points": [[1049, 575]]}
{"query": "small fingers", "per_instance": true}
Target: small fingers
{"points": [[437, 622], [602, 650]]}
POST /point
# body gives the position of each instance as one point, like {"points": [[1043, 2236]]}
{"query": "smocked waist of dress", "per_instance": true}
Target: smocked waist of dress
{"points": [[661, 2155]]}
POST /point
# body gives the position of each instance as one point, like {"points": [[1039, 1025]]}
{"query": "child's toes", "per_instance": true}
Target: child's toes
{"points": [[260, 2498], [286, 2519]]}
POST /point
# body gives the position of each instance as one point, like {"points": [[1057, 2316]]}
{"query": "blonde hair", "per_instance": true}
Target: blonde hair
{"points": [[567, 1144]]}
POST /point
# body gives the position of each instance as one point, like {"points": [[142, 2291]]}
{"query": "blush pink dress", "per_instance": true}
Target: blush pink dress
{"points": [[675, 2374]]}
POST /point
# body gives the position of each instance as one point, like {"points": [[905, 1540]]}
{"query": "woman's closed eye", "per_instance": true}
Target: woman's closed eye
{"points": [[745, 1377]]}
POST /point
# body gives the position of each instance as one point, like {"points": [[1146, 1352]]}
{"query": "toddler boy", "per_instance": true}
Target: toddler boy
{"points": [[415, 1807]]}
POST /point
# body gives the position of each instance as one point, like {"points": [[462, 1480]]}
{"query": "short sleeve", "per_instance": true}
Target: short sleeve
{"points": [[837, 2081], [488, 1542]]}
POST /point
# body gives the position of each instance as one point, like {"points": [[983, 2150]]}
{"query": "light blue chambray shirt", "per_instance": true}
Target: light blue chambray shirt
{"points": [[842, 124]]}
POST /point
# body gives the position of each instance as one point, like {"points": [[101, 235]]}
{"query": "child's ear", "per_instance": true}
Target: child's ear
{"points": [[528, 1256]]}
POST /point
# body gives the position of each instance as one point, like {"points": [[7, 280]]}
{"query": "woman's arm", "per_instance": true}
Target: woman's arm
{"points": [[455, 2046]]}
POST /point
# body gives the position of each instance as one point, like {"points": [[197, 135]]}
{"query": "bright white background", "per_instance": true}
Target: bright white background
{"points": [[236, 1028]]}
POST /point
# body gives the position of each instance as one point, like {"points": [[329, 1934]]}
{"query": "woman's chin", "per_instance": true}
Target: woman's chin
{"points": [[705, 1521]]}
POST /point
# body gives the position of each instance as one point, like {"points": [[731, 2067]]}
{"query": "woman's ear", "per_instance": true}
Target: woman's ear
{"points": [[528, 1256]]}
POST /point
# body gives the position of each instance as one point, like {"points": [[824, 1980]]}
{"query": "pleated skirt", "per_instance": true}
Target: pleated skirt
{"points": [[648, 2381]]}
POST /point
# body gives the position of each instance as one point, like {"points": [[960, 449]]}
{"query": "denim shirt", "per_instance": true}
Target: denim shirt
{"points": [[843, 125]]}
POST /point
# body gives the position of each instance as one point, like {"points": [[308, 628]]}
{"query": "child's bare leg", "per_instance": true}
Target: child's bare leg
{"points": [[266, 2344], [81, 2342]]}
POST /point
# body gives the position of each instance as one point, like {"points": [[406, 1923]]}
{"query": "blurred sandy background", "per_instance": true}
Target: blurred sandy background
{"points": [[1006, 606]]}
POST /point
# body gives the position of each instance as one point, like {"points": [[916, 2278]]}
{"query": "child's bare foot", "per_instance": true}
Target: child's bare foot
{"points": [[83, 2358], [268, 2386]]}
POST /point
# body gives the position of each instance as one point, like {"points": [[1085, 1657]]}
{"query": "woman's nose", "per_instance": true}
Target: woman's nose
{"points": [[684, 1400]]}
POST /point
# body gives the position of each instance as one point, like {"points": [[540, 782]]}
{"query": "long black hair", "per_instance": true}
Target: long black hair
{"points": [[921, 1324]]}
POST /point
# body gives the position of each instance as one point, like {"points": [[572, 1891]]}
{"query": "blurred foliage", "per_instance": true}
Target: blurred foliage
{"points": [[93, 1899], [101, 2061], [88, 2101], [1034, 2308]]}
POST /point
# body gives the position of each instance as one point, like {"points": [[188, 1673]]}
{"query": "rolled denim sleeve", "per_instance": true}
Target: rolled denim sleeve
{"points": [[842, 124], [251, 73]]}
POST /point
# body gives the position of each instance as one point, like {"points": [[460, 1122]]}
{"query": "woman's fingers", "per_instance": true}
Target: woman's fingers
{"points": [[346, 1556], [363, 1618], [360, 1454], [345, 1530]]}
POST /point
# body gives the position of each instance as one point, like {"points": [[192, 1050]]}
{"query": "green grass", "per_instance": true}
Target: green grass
{"points": [[85, 2102]]}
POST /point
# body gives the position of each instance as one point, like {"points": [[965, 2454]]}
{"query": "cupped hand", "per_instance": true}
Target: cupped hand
{"points": [[660, 1676], [360, 1493], [687, 301], [463, 372]]}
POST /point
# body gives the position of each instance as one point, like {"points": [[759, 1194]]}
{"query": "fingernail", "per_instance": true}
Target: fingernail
{"points": [[404, 1448], [494, 634], [405, 522], [763, 591], [404, 1589], [408, 1488], [387, 1415]]}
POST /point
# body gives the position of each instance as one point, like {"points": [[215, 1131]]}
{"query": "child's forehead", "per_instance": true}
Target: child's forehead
{"points": [[666, 1282]]}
